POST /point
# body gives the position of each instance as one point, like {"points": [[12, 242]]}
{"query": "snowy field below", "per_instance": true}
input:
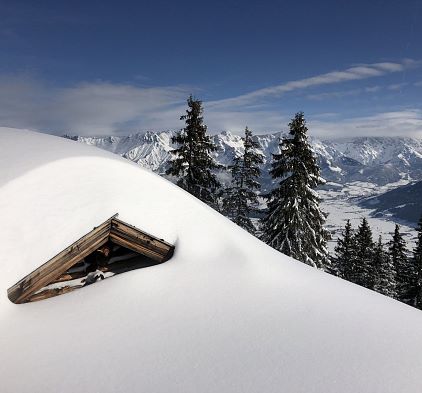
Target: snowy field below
{"points": [[341, 204]]}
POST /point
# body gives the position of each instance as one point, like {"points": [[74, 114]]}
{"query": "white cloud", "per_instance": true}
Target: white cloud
{"points": [[358, 72], [88, 108], [399, 123]]}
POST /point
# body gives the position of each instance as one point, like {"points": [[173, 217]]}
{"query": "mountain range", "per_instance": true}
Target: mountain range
{"points": [[379, 160]]}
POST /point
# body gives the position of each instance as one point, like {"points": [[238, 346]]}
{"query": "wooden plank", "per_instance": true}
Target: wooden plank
{"points": [[117, 222], [121, 241], [153, 247], [60, 263], [136, 240], [135, 232]]}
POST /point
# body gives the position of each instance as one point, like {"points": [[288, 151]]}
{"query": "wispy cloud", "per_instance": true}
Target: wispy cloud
{"points": [[397, 86], [359, 72], [326, 125], [344, 93], [260, 121]]}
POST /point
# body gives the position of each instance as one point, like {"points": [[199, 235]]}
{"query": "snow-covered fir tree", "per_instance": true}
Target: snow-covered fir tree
{"points": [[362, 270], [294, 222], [405, 272], [385, 273], [417, 262], [193, 162], [240, 198], [341, 264]]}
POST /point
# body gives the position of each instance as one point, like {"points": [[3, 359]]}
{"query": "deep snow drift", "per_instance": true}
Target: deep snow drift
{"points": [[225, 314]]}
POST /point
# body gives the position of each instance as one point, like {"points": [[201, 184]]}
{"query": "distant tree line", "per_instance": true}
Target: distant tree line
{"points": [[293, 222], [389, 269]]}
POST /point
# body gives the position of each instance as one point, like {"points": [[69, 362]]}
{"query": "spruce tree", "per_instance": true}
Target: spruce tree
{"points": [[362, 269], [417, 262], [294, 222], [385, 279], [342, 262], [193, 162], [403, 265], [240, 199]]}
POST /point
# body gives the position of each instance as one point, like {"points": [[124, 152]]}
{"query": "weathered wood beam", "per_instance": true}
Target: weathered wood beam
{"points": [[131, 245], [137, 232], [132, 238]]}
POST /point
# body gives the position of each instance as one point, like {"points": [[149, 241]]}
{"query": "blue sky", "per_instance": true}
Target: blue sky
{"points": [[114, 67]]}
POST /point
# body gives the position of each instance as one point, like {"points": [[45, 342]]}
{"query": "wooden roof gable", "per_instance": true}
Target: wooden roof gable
{"points": [[114, 230]]}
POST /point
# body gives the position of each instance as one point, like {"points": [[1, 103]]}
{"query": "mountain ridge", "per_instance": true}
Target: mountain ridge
{"points": [[380, 160]]}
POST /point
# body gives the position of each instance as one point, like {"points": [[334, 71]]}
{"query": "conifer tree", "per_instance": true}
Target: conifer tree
{"points": [[385, 278], [294, 222], [241, 198], [417, 262], [342, 262], [404, 267], [362, 270], [193, 162]]}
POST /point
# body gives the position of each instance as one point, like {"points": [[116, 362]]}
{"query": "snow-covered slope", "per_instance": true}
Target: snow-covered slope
{"points": [[225, 314]]}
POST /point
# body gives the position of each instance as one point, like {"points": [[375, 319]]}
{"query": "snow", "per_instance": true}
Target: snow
{"points": [[370, 150], [341, 205], [335, 169], [225, 314]]}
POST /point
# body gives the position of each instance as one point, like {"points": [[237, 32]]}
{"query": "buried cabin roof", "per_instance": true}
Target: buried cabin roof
{"points": [[112, 230]]}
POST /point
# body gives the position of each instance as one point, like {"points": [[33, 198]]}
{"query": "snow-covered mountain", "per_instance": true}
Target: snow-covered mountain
{"points": [[150, 150], [403, 203], [377, 160]]}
